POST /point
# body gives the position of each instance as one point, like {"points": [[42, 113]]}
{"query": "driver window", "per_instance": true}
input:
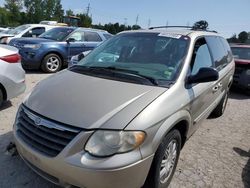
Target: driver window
{"points": [[78, 36], [201, 56]]}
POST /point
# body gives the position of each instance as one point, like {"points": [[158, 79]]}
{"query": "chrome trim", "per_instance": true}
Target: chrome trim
{"points": [[39, 121]]}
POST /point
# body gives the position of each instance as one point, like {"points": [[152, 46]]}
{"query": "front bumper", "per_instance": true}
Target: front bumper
{"points": [[31, 59], [242, 78], [73, 166]]}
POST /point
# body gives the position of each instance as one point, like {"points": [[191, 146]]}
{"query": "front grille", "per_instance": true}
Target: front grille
{"points": [[45, 136]]}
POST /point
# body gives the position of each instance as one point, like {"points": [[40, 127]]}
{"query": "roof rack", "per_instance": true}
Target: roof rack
{"points": [[187, 27]]}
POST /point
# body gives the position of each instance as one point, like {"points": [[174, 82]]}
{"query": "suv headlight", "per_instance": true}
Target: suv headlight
{"points": [[248, 72], [105, 143], [32, 46]]}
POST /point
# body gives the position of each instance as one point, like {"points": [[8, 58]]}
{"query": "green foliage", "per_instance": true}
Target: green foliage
{"points": [[69, 12], [85, 20], [17, 12], [243, 36], [116, 28], [13, 7]]}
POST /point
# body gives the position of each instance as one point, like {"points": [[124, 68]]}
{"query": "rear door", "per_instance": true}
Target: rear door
{"points": [[223, 58], [92, 40]]}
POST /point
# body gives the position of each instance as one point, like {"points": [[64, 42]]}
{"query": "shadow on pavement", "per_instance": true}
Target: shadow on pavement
{"points": [[238, 95], [14, 172], [246, 170], [34, 72], [6, 104]]}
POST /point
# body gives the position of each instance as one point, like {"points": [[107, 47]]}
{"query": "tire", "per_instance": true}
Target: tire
{"points": [[159, 164], [1, 97], [220, 108], [51, 63]]}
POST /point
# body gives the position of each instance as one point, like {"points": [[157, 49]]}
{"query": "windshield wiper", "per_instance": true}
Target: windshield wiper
{"points": [[128, 72]]}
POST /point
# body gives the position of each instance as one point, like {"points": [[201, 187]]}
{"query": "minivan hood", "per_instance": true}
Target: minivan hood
{"points": [[90, 102]]}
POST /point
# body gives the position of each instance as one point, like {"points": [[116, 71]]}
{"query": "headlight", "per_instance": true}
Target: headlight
{"points": [[248, 72], [32, 46], [106, 143]]}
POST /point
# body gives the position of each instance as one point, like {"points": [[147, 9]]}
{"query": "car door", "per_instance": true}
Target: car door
{"points": [[76, 44], [222, 57], [92, 40], [202, 95]]}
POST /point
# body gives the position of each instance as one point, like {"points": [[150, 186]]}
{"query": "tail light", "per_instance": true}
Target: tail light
{"points": [[15, 58]]}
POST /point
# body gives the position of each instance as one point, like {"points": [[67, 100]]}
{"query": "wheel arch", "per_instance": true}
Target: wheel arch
{"points": [[4, 92]]}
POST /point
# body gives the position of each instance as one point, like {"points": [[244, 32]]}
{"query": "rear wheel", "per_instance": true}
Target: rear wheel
{"points": [[51, 63], [220, 109], [165, 161], [1, 97]]}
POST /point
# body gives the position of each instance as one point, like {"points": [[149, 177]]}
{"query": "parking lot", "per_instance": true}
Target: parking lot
{"points": [[217, 155]]}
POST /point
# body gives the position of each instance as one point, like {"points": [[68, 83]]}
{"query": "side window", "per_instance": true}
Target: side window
{"points": [[78, 36], [201, 56], [35, 32], [107, 36], [218, 51], [227, 49], [92, 37], [38, 31]]}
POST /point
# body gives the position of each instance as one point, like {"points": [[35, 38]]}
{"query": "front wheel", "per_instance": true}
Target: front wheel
{"points": [[51, 63], [165, 161]]}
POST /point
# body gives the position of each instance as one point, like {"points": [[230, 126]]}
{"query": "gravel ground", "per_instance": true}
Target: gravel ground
{"points": [[217, 155]]}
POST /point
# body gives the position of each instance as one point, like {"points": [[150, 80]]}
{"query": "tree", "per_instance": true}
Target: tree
{"points": [[202, 24], [69, 12], [53, 10], [243, 36], [14, 7], [34, 10], [58, 11], [233, 39], [4, 17], [85, 20]]}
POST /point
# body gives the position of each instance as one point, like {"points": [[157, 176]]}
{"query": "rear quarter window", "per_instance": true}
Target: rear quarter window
{"points": [[218, 52], [92, 37]]}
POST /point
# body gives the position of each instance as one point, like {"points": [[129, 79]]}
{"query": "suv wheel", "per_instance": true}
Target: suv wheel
{"points": [[165, 161], [220, 109], [1, 98], [51, 63]]}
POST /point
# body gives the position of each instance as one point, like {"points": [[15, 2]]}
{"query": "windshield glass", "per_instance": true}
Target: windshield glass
{"points": [[58, 34], [18, 29], [149, 55], [241, 53]]}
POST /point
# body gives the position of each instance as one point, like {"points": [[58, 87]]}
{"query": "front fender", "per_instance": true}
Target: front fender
{"points": [[156, 133]]}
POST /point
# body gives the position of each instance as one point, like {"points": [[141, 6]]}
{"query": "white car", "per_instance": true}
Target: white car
{"points": [[27, 30], [12, 75]]}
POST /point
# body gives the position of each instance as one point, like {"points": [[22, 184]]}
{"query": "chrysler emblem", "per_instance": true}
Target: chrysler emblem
{"points": [[38, 121]]}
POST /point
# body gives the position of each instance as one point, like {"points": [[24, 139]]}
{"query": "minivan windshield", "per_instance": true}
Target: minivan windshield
{"points": [[18, 29], [57, 34], [153, 56], [241, 53]]}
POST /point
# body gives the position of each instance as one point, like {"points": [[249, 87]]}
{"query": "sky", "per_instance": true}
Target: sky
{"points": [[225, 16]]}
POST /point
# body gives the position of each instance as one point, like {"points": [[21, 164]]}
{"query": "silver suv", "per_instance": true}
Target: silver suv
{"points": [[120, 117]]}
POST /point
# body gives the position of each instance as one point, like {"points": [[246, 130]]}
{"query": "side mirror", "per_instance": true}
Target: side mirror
{"points": [[205, 74], [69, 40]]}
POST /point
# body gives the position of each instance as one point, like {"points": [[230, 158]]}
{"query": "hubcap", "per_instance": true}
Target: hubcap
{"points": [[53, 63], [168, 161]]}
